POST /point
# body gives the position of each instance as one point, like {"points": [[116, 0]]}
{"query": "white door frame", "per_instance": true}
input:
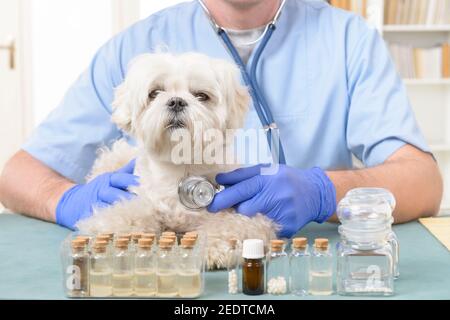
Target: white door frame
{"points": [[125, 13]]}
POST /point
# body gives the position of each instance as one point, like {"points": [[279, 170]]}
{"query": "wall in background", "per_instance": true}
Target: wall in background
{"points": [[65, 34]]}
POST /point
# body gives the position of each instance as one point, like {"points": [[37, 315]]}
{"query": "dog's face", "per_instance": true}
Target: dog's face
{"points": [[163, 93]]}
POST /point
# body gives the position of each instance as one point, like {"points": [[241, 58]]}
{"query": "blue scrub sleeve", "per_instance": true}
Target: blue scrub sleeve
{"points": [[380, 118], [68, 139]]}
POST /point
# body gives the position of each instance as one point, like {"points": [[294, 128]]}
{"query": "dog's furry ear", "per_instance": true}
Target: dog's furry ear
{"points": [[237, 95], [121, 115]]}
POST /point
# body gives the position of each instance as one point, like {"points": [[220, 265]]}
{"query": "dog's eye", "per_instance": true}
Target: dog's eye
{"points": [[201, 96], [152, 95]]}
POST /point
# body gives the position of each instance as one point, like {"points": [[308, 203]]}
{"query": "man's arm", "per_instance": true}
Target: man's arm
{"points": [[410, 174], [30, 187]]}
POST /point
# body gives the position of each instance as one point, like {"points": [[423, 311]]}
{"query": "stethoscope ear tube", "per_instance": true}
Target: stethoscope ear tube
{"points": [[259, 102]]}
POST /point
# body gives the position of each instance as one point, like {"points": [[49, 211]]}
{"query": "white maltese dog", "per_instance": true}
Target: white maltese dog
{"points": [[164, 95]]}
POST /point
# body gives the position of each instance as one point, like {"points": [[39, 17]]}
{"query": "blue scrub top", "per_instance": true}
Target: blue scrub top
{"points": [[327, 76]]}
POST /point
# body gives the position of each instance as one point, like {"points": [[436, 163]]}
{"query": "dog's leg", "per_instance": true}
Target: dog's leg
{"points": [[136, 215], [226, 225]]}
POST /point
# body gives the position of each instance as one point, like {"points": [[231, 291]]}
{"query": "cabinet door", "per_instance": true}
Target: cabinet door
{"points": [[11, 119]]}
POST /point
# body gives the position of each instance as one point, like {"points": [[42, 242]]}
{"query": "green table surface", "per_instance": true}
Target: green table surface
{"points": [[30, 264]]}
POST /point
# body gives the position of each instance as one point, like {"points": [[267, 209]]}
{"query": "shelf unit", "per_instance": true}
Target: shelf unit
{"points": [[430, 98]]}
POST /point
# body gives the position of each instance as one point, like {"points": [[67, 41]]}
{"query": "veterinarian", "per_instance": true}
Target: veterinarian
{"points": [[331, 87]]}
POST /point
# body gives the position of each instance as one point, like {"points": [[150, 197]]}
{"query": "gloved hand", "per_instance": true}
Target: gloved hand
{"points": [[291, 197], [78, 202]]}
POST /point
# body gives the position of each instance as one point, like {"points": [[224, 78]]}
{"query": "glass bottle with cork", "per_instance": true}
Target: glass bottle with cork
{"points": [[189, 270], [145, 284], [77, 283], [277, 268], [299, 267], [100, 271], [167, 270], [321, 271], [253, 267], [122, 269], [233, 264]]}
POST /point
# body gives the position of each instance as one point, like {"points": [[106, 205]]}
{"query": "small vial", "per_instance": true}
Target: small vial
{"points": [[78, 282], [166, 270], [321, 272], [233, 263], [101, 272], [145, 269], [189, 270], [299, 267], [122, 269], [277, 268], [253, 267]]}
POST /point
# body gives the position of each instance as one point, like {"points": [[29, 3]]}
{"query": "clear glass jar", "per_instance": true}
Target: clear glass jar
{"points": [[233, 266], [365, 263], [166, 270], [189, 276], [145, 269], [100, 274], [321, 269], [122, 269], [371, 208], [277, 268], [77, 284], [299, 264]]}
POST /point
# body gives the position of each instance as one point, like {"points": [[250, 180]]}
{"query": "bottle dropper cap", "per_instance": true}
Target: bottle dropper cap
{"points": [[253, 249]]}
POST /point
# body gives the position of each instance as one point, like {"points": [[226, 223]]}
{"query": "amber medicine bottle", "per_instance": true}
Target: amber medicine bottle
{"points": [[253, 267]]}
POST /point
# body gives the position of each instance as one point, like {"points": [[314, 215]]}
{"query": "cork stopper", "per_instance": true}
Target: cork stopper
{"points": [[148, 235], [276, 245], [100, 246], [171, 238], [124, 236], [165, 243], [110, 235], [300, 243], [122, 243], [78, 244], [187, 243], [136, 236], [191, 234], [232, 243], [83, 238], [103, 237], [168, 233], [321, 243], [145, 243]]}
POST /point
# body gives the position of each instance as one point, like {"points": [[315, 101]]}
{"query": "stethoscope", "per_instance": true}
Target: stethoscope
{"points": [[196, 193], [259, 102]]}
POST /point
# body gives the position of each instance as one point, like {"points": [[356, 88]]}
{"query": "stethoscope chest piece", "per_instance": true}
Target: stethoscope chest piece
{"points": [[196, 192]]}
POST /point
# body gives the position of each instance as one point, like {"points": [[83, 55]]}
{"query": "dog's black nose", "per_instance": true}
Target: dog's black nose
{"points": [[176, 104]]}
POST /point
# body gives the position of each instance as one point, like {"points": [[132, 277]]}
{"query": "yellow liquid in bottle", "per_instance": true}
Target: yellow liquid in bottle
{"points": [[321, 284], [100, 284], [122, 284], [167, 286], [189, 283], [145, 282]]}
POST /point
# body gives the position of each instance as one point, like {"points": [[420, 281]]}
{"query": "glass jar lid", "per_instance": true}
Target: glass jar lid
{"points": [[380, 192], [365, 209]]}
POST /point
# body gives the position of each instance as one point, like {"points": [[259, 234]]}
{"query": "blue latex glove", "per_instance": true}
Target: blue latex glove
{"points": [[78, 202], [291, 197]]}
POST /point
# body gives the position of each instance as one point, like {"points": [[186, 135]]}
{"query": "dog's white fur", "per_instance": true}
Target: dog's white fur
{"points": [[156, 207]]}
